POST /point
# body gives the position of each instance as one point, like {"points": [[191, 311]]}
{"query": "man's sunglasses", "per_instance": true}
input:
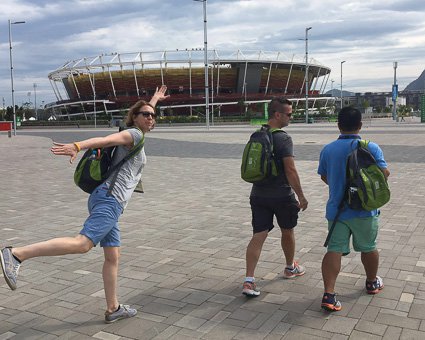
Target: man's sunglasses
{"points": [[147, 114], [287, 114]]}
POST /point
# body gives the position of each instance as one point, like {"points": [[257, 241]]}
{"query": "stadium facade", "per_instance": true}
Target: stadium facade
{"points": [[113, 82]]}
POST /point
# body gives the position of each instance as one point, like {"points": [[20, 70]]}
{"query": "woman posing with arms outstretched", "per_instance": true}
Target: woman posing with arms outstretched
{"points": [[106, 204]]}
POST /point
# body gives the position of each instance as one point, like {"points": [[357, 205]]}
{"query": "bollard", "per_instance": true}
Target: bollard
{"points": [[9, 133]]}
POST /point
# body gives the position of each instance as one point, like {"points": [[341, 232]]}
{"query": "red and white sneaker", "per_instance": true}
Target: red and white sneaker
{"points": [[250, 289], [290, 273]]}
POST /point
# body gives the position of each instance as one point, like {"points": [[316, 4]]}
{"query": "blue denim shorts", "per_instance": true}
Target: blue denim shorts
{"points": [[102, 223]]}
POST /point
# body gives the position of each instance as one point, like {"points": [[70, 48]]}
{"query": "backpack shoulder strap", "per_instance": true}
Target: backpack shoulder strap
{"points": [[133, 151], [339, 211], [136, 148], [364, 143]]}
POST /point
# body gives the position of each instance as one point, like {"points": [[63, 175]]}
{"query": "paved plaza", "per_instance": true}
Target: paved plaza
{"points": [[184, 241]]}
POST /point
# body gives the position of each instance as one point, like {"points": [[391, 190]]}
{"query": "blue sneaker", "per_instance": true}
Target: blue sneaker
{"points": [[123, 312], [375, 286], [330, 303], [10, 267]]}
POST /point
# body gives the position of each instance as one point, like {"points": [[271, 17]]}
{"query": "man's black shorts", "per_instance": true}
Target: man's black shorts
{"points": [[264, 208]]}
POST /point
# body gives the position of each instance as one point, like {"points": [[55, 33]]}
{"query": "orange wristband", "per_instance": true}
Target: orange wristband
{"points": [[77, 146]]}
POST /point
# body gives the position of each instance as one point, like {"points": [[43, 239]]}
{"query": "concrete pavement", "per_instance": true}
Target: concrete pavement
{"points": [[184, 241]]}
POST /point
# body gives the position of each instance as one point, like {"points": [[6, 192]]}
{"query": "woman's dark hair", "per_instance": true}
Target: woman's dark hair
{"points": [[134, 111], [349, 119], [276, 105]]}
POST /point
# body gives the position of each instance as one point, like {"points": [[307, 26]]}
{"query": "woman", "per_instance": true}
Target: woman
{"points": [[105, 207]]}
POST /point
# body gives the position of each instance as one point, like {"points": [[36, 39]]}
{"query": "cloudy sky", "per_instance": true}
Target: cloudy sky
{"points": [[368, 35]]}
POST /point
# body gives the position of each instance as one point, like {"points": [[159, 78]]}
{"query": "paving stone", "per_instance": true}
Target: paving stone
{"points": [[357, 335], [417, 311], [185, 333], [396, 320], [206, 311], [357, 311], [184, 261], [272, 321], [168, 333], [74, 336], [411, 334], [384, 303], [250, 334], [338, 324], [243, 315], [221, 298], [393, 333], [54, 326], [273, 337], [190, 322], [299, 332], [371, 327], [403, 306], [304, 320], [136, 328], [105, 336], [222, 332], [7, 335], [21, 318], [160, 309]]}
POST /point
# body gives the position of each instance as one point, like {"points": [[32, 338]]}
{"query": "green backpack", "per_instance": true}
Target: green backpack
{"points": [[367, 187], [258, 163], [95, 166]]}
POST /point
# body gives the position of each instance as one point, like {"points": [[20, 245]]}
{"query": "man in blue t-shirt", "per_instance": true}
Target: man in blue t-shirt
{"points": [[361, 224]]}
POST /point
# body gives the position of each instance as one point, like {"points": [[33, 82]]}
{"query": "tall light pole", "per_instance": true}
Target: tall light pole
{"points": [[4, 110], [342, 62], [207, 104], [306, 73], [35, 100], [26, 112], [11, 71], [395, 90]]}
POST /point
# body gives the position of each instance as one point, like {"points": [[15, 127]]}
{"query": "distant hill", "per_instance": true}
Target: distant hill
{"points": [[337, 93], [418, 84]]}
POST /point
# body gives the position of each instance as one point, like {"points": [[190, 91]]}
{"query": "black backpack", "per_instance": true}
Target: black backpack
{"points": [[95, 166]]}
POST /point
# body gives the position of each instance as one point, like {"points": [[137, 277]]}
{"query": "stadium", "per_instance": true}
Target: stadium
{"points": [[111, 83]]}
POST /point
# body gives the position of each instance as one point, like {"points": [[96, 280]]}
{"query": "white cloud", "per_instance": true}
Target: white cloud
{"points": [[368, 35]]}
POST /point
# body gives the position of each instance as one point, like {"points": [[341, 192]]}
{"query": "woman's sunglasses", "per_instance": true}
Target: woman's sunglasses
{"points": [[147, 114]]}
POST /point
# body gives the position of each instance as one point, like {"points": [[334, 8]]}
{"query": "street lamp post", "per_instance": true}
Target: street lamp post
{"points": [[394, 92], [11, 71], [26, 114], [207, 104], [342, 62], [35, 100], [42, 108], [306, 73]]}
